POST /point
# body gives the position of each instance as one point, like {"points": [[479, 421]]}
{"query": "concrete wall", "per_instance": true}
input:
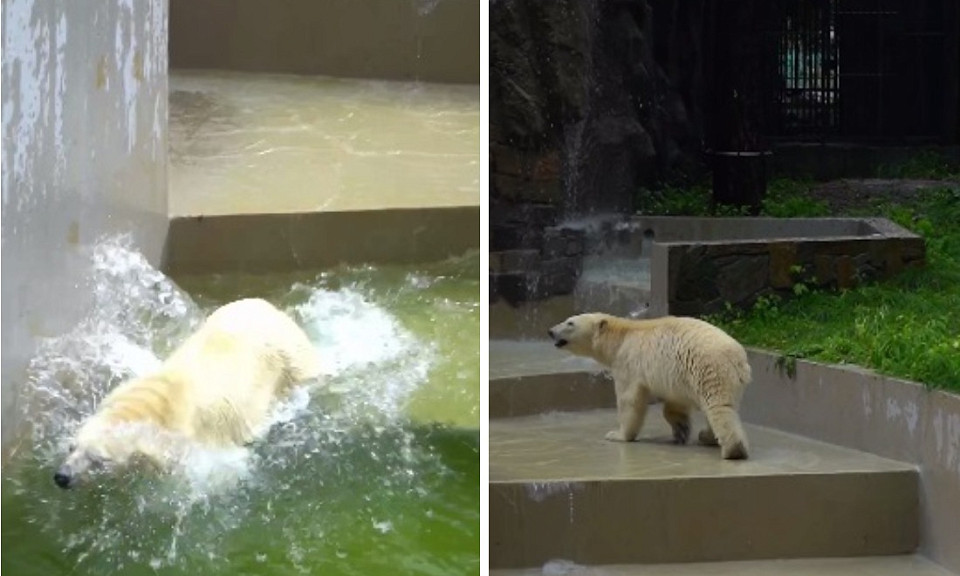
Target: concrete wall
{"points": [[426, 40], [281, 242], [886, 416], [84, 154]]}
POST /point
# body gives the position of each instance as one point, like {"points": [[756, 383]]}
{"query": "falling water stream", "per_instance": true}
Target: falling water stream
{"points": [[376, 474]]}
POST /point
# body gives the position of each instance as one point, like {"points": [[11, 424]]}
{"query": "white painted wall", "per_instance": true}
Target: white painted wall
{"points": [[84, 154]]}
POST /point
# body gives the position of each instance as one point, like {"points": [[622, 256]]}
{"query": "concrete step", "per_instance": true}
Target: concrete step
{"points": [[532, 376], [559, 490], [867, 566]]}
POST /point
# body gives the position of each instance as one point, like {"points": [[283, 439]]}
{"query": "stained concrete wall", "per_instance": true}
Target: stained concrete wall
{"points": [[860, 409], [84, 154], [425, 40]]}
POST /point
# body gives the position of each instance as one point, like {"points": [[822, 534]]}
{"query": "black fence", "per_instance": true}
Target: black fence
{"points": [[863, 71]]}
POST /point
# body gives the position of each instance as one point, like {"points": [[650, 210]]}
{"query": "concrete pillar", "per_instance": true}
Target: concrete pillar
{"points": [[84, 154]]}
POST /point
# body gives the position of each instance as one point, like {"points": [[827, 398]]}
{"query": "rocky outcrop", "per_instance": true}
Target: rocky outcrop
{"points": [[592, 99]]}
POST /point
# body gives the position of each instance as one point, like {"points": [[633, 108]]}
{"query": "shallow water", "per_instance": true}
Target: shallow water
{"points": [[243, 143], [378, 474]]}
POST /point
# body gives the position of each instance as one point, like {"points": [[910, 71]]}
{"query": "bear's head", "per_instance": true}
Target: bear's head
{"points": [[578, 334], [100, 445]]}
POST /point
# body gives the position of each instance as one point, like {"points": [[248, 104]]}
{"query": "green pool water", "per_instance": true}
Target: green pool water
{"points": [[378, 474]]}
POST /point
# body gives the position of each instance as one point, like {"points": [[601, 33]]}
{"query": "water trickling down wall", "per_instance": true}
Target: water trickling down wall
{"points": [[84, 154]]}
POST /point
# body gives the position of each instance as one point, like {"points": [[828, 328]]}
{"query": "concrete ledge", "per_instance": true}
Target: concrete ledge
{"points": [[863, 566], [886, 416], [528, 319], [277, 242], [650, 521], [559, 490], [699, 265], [525, 395], [426, 40]]}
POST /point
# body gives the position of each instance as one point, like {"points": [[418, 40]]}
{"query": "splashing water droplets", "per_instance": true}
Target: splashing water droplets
{"points": [[317, 448]]}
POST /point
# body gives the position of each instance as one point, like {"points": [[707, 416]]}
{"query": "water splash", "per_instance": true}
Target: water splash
{"points": [[313, 474]]}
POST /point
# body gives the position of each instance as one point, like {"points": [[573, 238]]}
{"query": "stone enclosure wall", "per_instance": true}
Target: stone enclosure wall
{"points": [[693, 278], [697, 265]]}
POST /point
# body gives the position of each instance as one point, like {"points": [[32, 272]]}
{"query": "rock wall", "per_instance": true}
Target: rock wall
{"points": [[591, 100]]}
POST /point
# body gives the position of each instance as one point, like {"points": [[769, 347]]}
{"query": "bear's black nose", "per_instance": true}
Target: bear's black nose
{"points": [[61, 480], [550, 332]]}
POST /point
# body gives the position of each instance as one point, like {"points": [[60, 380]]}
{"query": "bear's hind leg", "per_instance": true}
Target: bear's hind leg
{"points": [[725, 424], [679, 419], [631, 411]]}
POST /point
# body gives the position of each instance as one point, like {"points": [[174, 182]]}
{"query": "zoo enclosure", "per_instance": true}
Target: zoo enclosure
{"points": [[878, 71]]}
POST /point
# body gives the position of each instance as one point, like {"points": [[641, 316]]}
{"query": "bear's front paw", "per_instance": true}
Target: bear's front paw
{"points": [[616, 436]]}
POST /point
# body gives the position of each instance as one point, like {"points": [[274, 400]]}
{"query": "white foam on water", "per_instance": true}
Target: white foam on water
{"points": [[351, 333], [365, 351]]}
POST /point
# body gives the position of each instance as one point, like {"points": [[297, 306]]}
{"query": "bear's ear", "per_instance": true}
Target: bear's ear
{"points": [[602, 326]]}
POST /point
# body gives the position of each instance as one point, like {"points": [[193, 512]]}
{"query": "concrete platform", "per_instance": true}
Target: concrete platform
{"points": [[261, 143], [512, 358], [275, 172], [559, 490], [532, 376], [868, 566]]}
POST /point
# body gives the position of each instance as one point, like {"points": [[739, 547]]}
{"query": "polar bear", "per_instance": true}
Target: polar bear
{"points": [[688, 363], [216, 389]]}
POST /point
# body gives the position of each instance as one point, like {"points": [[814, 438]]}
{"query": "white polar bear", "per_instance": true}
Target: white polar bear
{"points": [[216, 389], [688, 363]]}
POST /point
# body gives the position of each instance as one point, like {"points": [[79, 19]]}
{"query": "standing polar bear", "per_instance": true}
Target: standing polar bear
{"points": [[216, 389], [686, 362]]}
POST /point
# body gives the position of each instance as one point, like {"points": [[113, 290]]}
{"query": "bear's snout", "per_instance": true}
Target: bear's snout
{"points": [[63, 478], [555, 336]]}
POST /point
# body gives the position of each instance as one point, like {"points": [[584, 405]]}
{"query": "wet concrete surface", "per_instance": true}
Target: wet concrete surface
{"points": [[571, 447], [260, 143], [512, 358], [868, 566]]}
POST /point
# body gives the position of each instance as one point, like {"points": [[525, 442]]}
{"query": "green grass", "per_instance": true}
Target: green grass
{"points": [[927, 165], [907, 327], [785, 198]]}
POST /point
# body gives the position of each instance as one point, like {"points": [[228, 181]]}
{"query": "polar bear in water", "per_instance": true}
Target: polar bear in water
{"points": [[217, 389]]}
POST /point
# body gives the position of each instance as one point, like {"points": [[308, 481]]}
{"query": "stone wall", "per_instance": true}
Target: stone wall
{"points": [[697, 278], [531, 257], [84, 154], [696, 265]]}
